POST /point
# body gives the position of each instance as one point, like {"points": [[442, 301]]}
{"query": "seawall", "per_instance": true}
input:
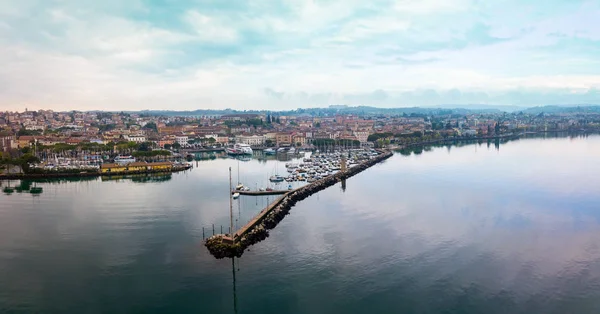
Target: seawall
{"points": [[19, 176]]}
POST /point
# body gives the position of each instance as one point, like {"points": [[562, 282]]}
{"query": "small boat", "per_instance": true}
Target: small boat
{"points": [[239, 187], [262, 189], [235, 195], [276, 178], [269, 189], [289, 187]]}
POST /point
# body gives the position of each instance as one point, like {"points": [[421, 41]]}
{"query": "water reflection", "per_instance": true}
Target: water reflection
{"points": [[475, 230]]}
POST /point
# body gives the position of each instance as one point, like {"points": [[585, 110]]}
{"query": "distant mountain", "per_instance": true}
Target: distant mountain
{"points": [[563, 109], [445, 109], [507, 108]]}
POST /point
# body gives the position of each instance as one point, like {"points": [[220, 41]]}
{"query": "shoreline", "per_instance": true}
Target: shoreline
{"points": [[21, 176], [495, 137]]}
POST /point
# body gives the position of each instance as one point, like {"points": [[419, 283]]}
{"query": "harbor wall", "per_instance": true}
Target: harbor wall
{"points": [[19, 176], [257, 229]]}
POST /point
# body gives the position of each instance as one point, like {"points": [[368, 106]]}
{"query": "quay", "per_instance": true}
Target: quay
{"points": [[114, 170], [256, 230], [260, 193]]}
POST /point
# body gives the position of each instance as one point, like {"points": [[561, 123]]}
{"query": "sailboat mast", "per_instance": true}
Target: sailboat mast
{"points": [[230, 206]]}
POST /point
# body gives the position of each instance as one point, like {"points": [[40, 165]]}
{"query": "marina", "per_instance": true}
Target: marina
{"points": [[235, 243]]}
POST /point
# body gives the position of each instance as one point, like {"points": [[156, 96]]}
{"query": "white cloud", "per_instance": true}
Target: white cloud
{"points": [[211, 29]]}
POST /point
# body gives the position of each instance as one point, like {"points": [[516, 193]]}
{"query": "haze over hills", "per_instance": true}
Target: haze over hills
{"points": [[456, 109]]}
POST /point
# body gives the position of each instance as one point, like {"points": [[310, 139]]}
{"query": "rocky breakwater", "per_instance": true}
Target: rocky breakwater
{"points": [[221, 246]]}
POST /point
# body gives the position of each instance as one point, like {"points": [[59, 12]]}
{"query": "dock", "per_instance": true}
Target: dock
{"points": [[261, 193], [256, 230]]}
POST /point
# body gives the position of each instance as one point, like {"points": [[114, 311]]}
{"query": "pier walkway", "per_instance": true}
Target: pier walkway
{"points": [[261, 193]]}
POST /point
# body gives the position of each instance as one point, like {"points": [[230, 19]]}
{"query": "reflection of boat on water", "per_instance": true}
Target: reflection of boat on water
{"points": [[140, 178], [244, 148], [36, 190], [270, 151], [291, 151], [239, 149]]}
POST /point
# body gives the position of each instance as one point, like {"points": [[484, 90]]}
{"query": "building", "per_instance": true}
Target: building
{"points": [[182, 140], [135, 138], [252, 140], [241, 117], [7, 142], [362, 136], [283, 139], [299, 138], [136, 167]]}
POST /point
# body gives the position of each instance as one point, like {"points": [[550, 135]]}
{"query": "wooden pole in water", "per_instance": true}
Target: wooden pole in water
{"points": [[230, 206]]}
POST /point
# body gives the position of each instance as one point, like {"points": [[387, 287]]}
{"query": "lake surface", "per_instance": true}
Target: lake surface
{"points": [[478, 228]]}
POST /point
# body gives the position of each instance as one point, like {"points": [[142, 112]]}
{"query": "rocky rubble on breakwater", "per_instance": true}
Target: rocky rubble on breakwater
{"points": [[221, 249]]}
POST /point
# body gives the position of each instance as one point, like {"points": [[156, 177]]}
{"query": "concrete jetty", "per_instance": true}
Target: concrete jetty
{"points": [[260, 193], [221, 246]]}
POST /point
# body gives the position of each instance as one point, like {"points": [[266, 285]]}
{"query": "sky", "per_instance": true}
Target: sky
{"points": [[268, 54]]}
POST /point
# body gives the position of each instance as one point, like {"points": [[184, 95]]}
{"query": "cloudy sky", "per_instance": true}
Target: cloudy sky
{"points": [[268, 54]]}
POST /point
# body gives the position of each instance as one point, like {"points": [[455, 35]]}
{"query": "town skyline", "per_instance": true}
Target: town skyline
{"points": [[138, 55]]}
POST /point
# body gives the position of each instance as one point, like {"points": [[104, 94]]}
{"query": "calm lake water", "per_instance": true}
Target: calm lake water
{"points": [[478, 228]]}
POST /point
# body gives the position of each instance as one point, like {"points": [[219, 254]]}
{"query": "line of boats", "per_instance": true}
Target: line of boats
{"points": [[320, 166], [245, 149]]}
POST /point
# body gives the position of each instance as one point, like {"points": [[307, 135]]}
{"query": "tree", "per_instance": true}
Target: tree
{"points": [[298, 144], [211, 140], [150, 126], [168, 146], [176, 145], [318, 125], [145, 146], [269, 142]]}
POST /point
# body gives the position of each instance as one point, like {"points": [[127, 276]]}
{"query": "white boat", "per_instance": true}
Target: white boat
{"points": [[276, 178], [270, 151], [235, 195], [239, 187], [232, 151], [124, 159], [280, 150], [243, 148], [291, 151]]}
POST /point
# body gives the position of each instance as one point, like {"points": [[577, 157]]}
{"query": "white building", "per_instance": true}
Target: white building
{"points": [[252, 140], [135, 138], [182, 140], [362, 136]]}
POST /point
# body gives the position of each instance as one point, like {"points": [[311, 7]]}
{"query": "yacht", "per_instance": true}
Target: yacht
{"points": [[276, 178], [124, 159], [243, 148]]}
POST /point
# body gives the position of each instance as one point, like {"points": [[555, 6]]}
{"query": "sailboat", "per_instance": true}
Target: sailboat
{"points": [[276, 177], [239, 186]]}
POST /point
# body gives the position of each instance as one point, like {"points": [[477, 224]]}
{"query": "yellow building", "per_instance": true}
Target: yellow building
{"points": [[160, 166], [136, 167], [113, 168]]}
